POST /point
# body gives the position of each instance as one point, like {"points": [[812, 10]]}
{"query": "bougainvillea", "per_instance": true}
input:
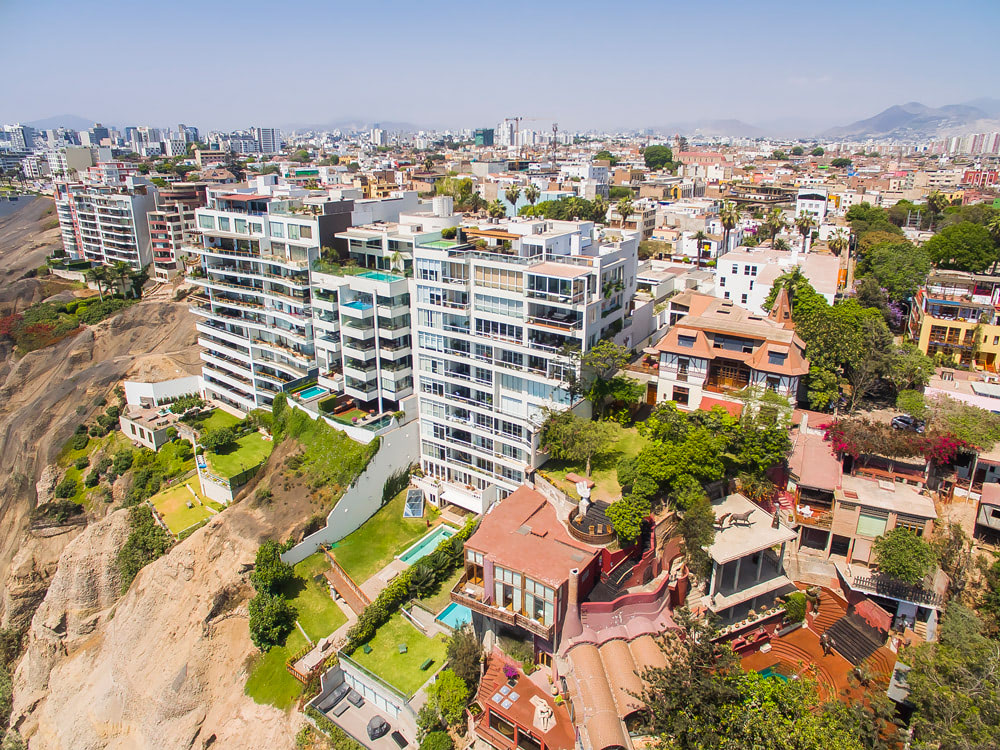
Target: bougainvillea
{"points": [[857, 437]]}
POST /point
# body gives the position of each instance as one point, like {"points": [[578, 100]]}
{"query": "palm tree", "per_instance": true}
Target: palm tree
{"points": [[497, 210], [476, 203], [838, 243], [600, 205], [624, 208], [531, 193], [775, 222], [512, 194], [422, 581], [98, 274], [729, 216], [780, 244], [805, 224], [121, 271], [699, 239]]}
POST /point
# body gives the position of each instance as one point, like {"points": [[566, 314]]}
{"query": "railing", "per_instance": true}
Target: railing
{"points": [[820, 519], [894, 589], [498, 613]]}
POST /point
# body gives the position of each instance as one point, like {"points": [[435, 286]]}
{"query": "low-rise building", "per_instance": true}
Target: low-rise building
{"points": [[955, 315], [724, 349], [747, 274]]}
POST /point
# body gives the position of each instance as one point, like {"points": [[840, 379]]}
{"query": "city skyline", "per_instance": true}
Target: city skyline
{"points": [[667, 65]]}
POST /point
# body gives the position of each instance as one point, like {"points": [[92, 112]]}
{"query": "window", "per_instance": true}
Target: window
{"points": [[872, 523], [736, 268], [502, 726], [685, 341], [913, 523], [753, 272], [293, 231], [241, 226], [474, 566], [206, 222], [776, 358], [680, 395], [726, 295], [722, 281], [223, 224], [743, 299], [497, 330], [751, 284], [256, 228], [277, 229], [499, 306], [498, 278], [306, 232], [526, 742], [746, 270]]}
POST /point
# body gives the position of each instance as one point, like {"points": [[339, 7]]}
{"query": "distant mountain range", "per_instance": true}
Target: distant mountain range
{"points": [[918, 121], [74, 122]]}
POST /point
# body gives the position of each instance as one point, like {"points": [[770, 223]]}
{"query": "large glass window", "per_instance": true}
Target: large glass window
{"points": [[872, 523], [502, 726], [206, 222], [241, 226], [498, 278], [293, 231], [277, 229], [223, 224], [499, 306]]}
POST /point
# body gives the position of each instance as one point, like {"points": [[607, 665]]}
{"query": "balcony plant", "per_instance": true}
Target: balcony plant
{"points": [[511, 674]]}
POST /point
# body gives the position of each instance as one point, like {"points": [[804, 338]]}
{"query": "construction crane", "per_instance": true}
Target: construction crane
{"points": [[517, 120]]}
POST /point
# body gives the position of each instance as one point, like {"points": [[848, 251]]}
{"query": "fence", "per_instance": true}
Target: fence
{"points": [[399, 449]]}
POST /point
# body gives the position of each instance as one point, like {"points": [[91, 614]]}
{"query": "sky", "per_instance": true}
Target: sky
{"points": [[624, 65]]}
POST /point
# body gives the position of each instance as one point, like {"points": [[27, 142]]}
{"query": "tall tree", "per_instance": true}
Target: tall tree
{"points": [[805, 224], [531, 193], [122, 271], [775, 222], [572, 438], [624, 208], [497, 210], [512, 194], [963, 247], [838, 242], [729, 217], [699, 241], [97, 274]]}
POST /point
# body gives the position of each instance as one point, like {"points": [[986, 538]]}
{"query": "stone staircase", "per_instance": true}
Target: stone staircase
{"points": [[854, 639]]}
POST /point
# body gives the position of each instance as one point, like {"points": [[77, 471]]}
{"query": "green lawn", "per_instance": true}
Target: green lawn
{"points": [[604, 468], [436, 602], [252, 450], [269, 682], [319, 615], [346, 417], [172, 505], [380, 539], [218, 419], [402, 671]]}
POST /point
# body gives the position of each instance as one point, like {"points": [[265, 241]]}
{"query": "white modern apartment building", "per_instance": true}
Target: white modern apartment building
{"points": [[104, 219], [812, 201], [268, 140], [255, 306], [361, 317], [497, 325], [747, 274]]}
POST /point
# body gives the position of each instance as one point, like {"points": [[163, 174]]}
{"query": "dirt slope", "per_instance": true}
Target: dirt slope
{"points": [[164, 667]]}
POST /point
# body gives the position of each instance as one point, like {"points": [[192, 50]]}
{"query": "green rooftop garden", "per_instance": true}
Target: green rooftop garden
{"points": [[172, 506], [250, 451], [402, 670], [604, 468]]}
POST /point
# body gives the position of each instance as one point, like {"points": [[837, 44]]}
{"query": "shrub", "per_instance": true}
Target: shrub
{"points": [[449, 695], [122, 461], [184, 403], [58, 510], [218, 440], [465, 654], [146, 542], [437, 741], [448, 233], [795, 607], [66, 488], [82, 463], [92, 478], [903, 555], [271, 620], [269, 572], [80, 440]]}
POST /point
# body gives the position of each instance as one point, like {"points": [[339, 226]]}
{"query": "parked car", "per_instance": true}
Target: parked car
{"points": [[377, 727], [400, 740], [906, 422]]}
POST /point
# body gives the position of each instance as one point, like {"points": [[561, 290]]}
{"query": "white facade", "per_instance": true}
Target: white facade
{"points": [[268, 140], [813, 201], [493, 334], [746, 275]]}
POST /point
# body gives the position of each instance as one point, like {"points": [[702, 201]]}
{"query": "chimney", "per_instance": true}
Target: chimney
{"points": [[572, 627]]}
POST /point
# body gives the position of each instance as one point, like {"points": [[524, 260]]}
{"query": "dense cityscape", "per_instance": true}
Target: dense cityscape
{"points": [[514, 435]]}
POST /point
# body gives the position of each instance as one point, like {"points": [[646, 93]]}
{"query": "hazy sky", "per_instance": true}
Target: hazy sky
{"points": [[584, 64]]}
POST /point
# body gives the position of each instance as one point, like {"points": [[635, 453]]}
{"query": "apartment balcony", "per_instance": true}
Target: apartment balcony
{"points": [[228, 377], [557, 321], [359, 330], [473, 596], [357, 310], [819, 518], [362, 372], [360, 389], [230, 364], [357, 349]]}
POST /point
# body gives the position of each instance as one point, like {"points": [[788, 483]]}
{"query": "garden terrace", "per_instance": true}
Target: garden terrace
{"points": [[399, 668]]}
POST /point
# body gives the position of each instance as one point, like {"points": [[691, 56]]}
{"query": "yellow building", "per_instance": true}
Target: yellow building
{"points": [[955, 315]]}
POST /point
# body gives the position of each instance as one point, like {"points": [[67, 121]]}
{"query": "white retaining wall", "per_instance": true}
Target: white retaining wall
{"points": [[137, 393], [399, 449]]}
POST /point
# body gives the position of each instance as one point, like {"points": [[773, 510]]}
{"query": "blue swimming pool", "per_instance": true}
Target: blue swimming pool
{"points": [[313, 391], [358, 305], [427, 544], [379, 276], [455, 616], [772, 672]]}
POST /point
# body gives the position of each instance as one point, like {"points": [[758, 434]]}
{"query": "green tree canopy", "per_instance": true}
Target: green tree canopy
{"points": [[218, 441], [271, 620], [269, 572], [658, 157], [571, 438], [605, 155], [899, 267], [818, 151], [840, 162], [449, 695], [798, 151], [903, 555], [572, 208], [963, 247]]}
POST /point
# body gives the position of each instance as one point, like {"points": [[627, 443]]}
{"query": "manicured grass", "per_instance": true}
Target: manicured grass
{"points": [[218, 419], [319, 615], [172, 505], [346, 417], [604, 468], [269, 682], [252, 450], [402, 671], [438, 601], [380, 539]]}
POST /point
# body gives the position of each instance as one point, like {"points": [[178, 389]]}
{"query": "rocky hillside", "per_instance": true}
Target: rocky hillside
{"points": [[164, 666]]}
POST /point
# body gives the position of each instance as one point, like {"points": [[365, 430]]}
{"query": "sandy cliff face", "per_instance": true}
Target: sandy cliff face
{"points": [[163, 667]]}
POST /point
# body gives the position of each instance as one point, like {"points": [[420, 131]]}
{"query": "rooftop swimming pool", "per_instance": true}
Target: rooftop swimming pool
{"points": [[454, 616], [358, 305], [440, 244], [380, 276], [427, 544], [312, 392]]}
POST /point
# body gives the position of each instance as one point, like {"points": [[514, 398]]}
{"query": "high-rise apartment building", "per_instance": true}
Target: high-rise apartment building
{"points": [[103, 218], [498, 334], [256, 326], [172, 226], [268, 140], [361, 317]]}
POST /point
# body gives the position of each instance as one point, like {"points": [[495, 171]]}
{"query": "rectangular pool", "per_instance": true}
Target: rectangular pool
{"points": [[454, 616], [313, 391], [427, 544], [380, 276]]}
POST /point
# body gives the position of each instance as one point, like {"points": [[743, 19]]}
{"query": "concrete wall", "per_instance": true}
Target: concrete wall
{"points": [[136, 393], [399, 449]]}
